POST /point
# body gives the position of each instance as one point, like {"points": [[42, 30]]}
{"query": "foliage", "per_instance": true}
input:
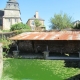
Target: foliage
{"points": [[44, 27], [61, 21], [21, 31], [6, 44], [19, 26], [37, 23], [5, 30]]}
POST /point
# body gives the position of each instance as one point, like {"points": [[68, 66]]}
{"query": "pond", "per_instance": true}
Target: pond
{"points": [[27, 69]]}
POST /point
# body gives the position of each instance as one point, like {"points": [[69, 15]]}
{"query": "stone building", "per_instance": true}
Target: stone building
{"points": [[1, 60], [10, 15], [31, 23], [57, 43], [76, 23]]}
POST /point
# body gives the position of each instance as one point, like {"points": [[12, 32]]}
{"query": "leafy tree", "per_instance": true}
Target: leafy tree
{"points": [[37, 23], [19, 26], [61, 21]]}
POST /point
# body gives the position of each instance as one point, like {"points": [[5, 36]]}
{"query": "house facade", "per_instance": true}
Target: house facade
{"points": [[10, 15], [76, 23], [31, 22]]}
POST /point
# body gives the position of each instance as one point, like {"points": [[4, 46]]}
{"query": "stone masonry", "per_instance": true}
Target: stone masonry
{"points": [[11, 14], [1, 61], [31, 22]]}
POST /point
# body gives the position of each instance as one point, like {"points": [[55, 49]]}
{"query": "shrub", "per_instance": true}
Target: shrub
{"points": [[6, 44], [19, 26]]}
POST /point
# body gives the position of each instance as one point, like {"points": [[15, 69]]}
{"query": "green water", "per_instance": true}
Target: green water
{"points": [[27, 69], [24, 69]]}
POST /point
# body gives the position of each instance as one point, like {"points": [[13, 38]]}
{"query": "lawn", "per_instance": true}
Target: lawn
{"points": [[26, 69]]}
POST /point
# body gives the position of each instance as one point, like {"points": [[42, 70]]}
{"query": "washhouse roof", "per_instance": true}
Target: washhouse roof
{"points": [[55, 35]]}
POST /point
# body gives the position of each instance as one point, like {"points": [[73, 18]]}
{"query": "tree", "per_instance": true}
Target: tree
{"points": [[61, 21], [19, 26], [37, 23]]}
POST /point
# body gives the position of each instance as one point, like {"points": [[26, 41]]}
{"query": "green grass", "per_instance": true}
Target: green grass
{"points": [[19, 69]]}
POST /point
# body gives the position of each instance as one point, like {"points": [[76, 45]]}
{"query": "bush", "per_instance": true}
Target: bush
{"points": [[6, 44], [19, 26]]}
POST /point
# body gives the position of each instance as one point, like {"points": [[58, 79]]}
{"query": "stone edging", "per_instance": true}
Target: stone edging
{"points": [[1, 60]]}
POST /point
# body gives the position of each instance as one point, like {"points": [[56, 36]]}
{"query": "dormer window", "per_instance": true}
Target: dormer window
{"points": [[15, 20], [14, 5], [9, 5], [9, 19], [32, 23]]}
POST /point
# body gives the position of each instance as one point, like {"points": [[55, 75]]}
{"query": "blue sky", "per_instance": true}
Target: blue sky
{"points": [[47, 8]]}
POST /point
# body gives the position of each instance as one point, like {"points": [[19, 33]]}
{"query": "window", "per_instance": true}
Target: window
{"points": [[9, 20], [15, 20], [9, 5], [33, 28], [32, 23], [14, 5]]}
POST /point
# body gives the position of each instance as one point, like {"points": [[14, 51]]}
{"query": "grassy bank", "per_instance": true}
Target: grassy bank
{"points": [[25, 69]]}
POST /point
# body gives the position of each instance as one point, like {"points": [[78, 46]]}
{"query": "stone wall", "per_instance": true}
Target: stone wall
{"points": [[25, 46], [7, 34], [58, 46], [1, 60], [33, 27], [10, 17]]}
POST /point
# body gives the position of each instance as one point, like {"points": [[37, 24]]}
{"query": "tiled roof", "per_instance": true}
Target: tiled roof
{"points": [[33, 18], [56, 35], [76, 21]]}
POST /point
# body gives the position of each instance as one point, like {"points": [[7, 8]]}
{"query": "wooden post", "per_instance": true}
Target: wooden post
{"points": [[1, 60]]}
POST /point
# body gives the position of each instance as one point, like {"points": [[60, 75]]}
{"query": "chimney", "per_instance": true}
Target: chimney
{"points": [[37, 14]]}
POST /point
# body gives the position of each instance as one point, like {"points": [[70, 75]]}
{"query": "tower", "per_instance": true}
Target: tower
{"points": [[11, 14]]}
